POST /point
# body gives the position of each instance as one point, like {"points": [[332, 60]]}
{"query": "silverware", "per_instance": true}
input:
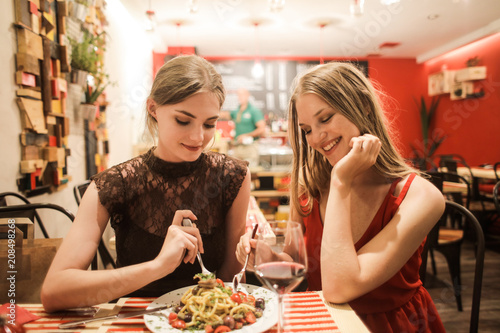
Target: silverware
{"points": [[237, 277], [82, 323], [187, 223]]}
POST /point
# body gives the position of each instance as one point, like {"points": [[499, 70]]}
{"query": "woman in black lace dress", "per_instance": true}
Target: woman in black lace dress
{"points": [[147, 197]]}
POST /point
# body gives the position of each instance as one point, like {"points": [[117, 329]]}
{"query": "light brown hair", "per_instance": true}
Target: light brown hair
{"points": [[348, 91], [181, 78]]}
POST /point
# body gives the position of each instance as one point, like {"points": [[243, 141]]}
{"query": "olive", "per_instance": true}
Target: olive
{"points": [[178, 308], [260, 303], [229, 321], [188, 317]]}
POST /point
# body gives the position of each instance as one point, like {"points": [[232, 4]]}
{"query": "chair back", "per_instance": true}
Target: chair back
{"points": [[31, 214], [496, 166], [438, 178], [496, 200], [79, 190], [106, 257], [455, 211]]}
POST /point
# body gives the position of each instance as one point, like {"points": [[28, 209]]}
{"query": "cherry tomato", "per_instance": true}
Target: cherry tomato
{"points": [[243, 296], [222, 328], [236, 298], [181, 324], [209, 329], [238, 325], [250, 317], [219, 281], [172, 317], [250, 299]]}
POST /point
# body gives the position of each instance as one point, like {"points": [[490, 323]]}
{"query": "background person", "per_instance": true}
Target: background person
{"points": [[147, 197], [249, 125]]}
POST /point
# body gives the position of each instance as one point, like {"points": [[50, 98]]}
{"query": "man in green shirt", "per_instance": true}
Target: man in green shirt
{"points": [[249, 126], [249, 120]]}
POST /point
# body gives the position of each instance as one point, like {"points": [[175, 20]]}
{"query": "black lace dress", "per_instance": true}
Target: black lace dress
{"points": [[142, 195]]}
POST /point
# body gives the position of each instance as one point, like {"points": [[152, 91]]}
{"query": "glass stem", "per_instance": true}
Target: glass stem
{"points": [[281, 317]]}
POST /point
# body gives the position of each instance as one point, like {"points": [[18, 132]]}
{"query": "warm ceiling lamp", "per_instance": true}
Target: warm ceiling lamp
{"points": [[193, 6], [150, 21], [357, 7], [276, 5], [388, 2], [257, 69], [321, 42]]}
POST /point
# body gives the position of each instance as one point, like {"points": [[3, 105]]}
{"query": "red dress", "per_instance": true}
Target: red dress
{"points": [[401, 304]]}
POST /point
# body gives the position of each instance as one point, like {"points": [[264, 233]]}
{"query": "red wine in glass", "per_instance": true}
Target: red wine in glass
{"points": [[281, 277]]}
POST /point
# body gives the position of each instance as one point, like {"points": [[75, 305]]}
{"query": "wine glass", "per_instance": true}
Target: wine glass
{"points": [[280, 259]]}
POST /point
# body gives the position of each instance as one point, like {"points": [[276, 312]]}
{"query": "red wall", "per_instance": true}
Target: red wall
{"points": [[472, 126], [401, 81]]}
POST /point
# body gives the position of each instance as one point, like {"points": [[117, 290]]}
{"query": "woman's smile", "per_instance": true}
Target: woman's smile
{"points": [[330, 145]]}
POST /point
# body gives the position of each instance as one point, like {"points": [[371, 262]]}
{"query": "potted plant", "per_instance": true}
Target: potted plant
{"points": [[431, 138], [88, 71], [85, 56]]}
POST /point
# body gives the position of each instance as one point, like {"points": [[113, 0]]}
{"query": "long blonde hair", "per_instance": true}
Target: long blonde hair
{"points": [[181, 78], [349, 92]]}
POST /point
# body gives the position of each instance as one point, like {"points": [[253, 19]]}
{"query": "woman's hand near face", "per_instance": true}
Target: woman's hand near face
{"points": [[363, 155], [181, 243]]}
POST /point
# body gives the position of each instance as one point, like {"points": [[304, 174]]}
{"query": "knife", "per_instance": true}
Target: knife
{"points": [[82, 323]]}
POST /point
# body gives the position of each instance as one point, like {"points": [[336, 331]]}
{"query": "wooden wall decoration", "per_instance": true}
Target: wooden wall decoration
{"points": [[42, 69]]}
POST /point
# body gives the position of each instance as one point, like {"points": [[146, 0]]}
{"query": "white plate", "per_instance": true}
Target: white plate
{"points": [[158, 323]]}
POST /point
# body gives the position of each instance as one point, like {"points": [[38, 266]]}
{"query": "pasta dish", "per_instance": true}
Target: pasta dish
{"points": [[215, 308]]}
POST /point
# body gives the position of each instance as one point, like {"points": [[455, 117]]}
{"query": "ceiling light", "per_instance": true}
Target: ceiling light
{"points": [[276, 5], [257, 69], [388, 2], [357, 7], [150, 21], [193, 6]]}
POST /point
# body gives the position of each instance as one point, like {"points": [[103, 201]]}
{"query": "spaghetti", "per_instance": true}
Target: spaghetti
{"points": [[208, 307]]}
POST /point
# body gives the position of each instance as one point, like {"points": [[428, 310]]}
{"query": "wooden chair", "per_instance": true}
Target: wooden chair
{"points": [[106, 258], [467, 222]]}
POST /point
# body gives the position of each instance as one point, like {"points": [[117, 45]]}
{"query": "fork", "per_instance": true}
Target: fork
{"points": [[187, 223], [237, 277]]}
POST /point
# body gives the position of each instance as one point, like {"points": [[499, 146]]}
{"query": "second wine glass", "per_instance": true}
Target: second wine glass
{"points": [[281, 260]]}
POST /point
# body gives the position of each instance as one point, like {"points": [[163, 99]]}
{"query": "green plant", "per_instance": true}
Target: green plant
{"points": [[431, 139], [86, 54]]}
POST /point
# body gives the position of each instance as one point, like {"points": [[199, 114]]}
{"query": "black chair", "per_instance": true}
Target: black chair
{"points": [[451, 162], [495, 168], [32, 215], [496, 200], [438, 178], [469, 225], [107, 259]]}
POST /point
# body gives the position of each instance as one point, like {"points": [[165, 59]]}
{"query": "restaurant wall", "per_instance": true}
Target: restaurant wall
{"points": [[128, 62], [472, 126], [400, 82], [10, 128]]}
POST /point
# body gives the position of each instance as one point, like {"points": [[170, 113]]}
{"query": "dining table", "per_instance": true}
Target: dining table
{"points": [[303, 312]]}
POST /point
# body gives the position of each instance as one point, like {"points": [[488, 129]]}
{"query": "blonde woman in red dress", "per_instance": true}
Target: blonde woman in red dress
{"points": [[365, 212]]}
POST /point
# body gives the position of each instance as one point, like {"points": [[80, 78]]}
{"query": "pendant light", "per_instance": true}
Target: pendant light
{"points": [[257, 69], [150, 20], [357, 7], [321, 42]]}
